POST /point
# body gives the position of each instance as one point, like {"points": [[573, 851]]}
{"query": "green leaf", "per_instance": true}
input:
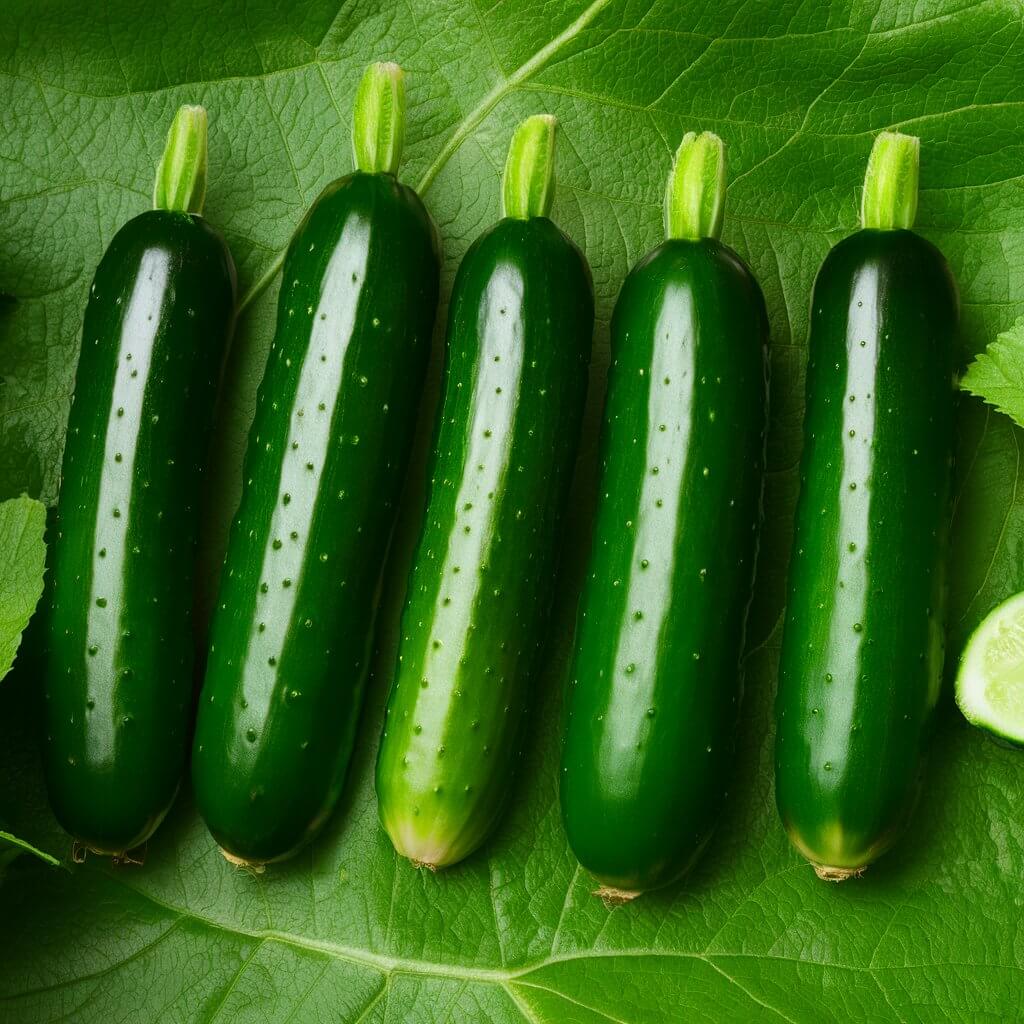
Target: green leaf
{"points": [[23, 556], [997, 375], [22, 561], [346, 932]]}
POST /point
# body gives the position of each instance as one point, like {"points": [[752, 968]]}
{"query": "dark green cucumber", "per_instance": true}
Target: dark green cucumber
{"points": [[655, 681], [327, 454], [118, 681], [863, 642], [518, 348]]}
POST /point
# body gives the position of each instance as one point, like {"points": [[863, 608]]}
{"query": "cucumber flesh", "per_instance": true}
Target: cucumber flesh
{"points": [[990, 680]]}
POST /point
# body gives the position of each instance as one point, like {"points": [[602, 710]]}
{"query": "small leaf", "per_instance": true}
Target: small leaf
{"points": [[997, 375], [22, 562]]}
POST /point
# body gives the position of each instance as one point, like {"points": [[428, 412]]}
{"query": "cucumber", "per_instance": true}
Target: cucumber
{"points": [[990, 680], [655, 679], [515, 380], [862, 646], [327, 454], [118, 679]]}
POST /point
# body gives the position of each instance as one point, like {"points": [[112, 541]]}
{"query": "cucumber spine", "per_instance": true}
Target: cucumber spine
{"points": [[118, 680], [862, 646], [328, 449], [515, 378], [655, 681]]}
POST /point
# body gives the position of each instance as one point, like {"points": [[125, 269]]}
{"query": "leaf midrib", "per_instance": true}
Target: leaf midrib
{"points": [[499, 976]]}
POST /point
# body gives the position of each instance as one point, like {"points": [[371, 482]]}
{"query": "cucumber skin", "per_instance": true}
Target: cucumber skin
{"points": [[161, 307], [641, 792], [871, 618], [273, 741], [482, 577]]}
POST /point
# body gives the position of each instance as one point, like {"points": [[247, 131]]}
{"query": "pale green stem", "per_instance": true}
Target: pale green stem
{"points": [[890, 184], [181, 176], [528, 187], [695, 195], [378, 119]]}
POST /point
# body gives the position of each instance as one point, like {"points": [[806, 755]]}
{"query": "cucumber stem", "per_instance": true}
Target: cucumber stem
{"points": [[528, 185], [378, 119], [253, 867], [890, 184], [695, 194], [830, 874], [181, 177], [613, 897]]}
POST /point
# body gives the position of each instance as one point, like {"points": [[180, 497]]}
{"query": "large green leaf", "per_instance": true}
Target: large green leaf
{"points": [[347, 932]]}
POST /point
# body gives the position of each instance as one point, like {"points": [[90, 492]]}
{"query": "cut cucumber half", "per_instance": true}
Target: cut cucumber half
{"points": [[990, 682]]}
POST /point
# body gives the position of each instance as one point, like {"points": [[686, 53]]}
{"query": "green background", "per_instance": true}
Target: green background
{"points": [[346, 932]]}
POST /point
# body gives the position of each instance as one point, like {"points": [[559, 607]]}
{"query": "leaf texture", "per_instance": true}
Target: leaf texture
{"points": [[347, 932]]}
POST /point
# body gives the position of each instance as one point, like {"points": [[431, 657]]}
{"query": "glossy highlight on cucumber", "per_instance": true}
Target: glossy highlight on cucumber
{"points": [[515, 379], [862, 647], [327, 454], [118, 682], [655, 682]]}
